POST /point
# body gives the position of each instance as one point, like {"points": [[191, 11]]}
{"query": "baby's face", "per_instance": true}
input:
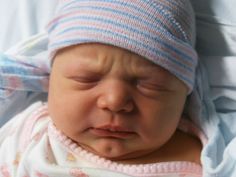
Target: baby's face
{"points": [[112, 102]]}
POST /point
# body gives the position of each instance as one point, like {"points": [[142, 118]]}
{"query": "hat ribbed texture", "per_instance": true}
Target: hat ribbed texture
{"points": [[162, 31]]}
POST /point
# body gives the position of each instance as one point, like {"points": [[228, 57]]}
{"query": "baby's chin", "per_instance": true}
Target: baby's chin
{"points": [[118, 153]]}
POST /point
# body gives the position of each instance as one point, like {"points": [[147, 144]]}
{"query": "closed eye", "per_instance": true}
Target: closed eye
{"points": [[151, 87], [85, 79], [84, 83]]}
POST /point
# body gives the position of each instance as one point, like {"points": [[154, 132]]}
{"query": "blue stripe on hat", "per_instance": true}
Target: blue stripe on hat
{"points": [[134, 30], [160, 7]]}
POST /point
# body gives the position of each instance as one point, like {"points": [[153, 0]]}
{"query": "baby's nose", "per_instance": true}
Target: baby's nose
{"points": [[116, 96]]}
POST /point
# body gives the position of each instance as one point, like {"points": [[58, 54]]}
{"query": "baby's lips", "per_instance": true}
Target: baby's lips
{"points": [[112, 132]]}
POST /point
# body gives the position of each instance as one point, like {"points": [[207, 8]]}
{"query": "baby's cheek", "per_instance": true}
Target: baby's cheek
{"points": [[161, 126]]}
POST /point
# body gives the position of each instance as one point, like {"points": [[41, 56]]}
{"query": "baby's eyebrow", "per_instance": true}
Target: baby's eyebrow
{"points": [[92, 68], [150, 68]]}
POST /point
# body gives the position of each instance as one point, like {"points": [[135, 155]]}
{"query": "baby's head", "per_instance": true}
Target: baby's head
{"points": [[121, 73]]}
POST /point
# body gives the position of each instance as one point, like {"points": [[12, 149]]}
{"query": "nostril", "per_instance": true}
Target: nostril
{"points": [[124, 106], [115, 104], [116, 96], [128, 107]]}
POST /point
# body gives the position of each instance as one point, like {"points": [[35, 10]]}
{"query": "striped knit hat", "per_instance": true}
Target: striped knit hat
{"points": [[162, 31]]}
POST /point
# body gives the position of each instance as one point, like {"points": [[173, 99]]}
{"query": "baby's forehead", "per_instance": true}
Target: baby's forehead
{"points": [[99, 54], [100, 58]]}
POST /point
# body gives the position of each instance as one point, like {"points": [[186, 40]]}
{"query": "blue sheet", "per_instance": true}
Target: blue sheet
{"points": [[20, 19]]}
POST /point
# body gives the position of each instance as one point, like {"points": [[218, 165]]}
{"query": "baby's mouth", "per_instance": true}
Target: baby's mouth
{"points": [[112, 132]]}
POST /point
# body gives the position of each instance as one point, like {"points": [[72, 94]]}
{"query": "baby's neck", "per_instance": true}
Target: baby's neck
{"points": [[181, 147]]}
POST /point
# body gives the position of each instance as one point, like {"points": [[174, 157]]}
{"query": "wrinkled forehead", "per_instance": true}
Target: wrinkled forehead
{"points": [[102, 55], [100, 59]]}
